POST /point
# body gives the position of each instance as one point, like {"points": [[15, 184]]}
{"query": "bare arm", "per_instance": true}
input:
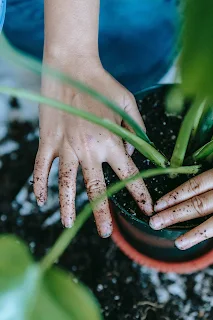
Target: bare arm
{"points": [[71, 26], [71, 45]]}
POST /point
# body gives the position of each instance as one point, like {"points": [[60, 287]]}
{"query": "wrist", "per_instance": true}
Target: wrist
{"points": [[58, 50], [72, 62]]}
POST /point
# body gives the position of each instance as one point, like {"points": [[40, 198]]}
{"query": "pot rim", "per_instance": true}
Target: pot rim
{"points": [[186, 267]]}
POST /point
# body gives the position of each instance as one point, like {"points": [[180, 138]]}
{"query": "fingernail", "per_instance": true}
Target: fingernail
{"points": [[106, 230], [147, 208], [156, 222], [67, 222], [182, 243], [40, 202], [160, 205]]}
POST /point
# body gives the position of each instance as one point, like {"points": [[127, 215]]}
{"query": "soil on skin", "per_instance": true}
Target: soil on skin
{"points": [[123, 289], [163, 131]]}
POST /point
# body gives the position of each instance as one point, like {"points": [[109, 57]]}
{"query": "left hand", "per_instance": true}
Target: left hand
{"points": [[191, 200]]}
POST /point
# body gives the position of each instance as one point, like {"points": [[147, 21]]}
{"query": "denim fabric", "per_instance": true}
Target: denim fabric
{"points": [[2, 12], [136, 37]]}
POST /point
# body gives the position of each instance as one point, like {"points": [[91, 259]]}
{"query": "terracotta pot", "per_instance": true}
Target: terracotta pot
{"points": [[152, 248], [142, 248]]}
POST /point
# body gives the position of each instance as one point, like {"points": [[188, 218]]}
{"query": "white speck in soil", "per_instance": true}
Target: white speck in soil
{"points": [[22, 195], [3, 217], [31, 136], [8, 147], [114, 280], [3, 131], [26, 208], [128, 280], [74, 268], [100, 287]]}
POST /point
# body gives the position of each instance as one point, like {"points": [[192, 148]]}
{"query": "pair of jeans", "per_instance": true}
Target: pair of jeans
{"points": [[137, 38], [2, 12]]}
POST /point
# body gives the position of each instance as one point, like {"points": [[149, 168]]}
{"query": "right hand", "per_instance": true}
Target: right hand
{"points": [[76, 141]]}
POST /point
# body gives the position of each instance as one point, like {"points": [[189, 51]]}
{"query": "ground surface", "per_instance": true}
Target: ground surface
{"points": [[124, 290]]}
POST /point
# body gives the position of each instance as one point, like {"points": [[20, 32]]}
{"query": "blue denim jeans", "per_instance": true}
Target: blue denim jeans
{"points": [[2, 12], [137, 38]]}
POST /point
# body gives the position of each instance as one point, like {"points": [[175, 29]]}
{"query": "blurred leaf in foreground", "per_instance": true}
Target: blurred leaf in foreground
{"points": [[196, 61], [19, 280], [26, 293]]}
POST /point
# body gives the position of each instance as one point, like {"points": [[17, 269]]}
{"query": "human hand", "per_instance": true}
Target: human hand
{"points": [[191, 200], [76, 141]]}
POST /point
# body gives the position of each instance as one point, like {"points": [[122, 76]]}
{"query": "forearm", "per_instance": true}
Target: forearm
{"points": [[71, 27]]}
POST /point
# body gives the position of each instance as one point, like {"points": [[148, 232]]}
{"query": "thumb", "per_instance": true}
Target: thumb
{"points": [[132, 109]]}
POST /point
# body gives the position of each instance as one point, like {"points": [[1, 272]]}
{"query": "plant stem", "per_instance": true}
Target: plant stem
{"points": [[198, 117], [64, 239], [36, 66], [184, 135], [204, 152], [68, 234], [142, 146]]}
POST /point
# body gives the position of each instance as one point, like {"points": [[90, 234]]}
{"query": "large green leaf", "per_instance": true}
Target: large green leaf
{"points": [[62, 297], [19, 280], [196, 58], [26, 293]]}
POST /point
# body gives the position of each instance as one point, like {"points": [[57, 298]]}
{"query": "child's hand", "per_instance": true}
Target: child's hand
{"points": [[76, 141], [191, 200]]}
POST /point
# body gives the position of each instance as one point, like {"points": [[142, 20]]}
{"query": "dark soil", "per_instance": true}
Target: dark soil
{"points": [[124, 290], [162, 131]]}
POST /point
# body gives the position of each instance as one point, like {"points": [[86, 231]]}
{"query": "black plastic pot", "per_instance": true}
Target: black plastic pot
{"points": [[134, 228]]}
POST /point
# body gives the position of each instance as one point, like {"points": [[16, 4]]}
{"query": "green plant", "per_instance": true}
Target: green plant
{"points": [[36, 289]]}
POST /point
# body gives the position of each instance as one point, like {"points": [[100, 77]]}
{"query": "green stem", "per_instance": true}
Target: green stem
{"points": [[142, 146], [68, 234], [198, 117], [204, 152], [184, 135], [37, 67]]}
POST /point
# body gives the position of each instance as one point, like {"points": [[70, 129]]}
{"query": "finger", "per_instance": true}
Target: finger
{"points": [[132, 110], [43, 162], [128, 147], [191, 188], [195, 236], [68, 167], [95, 185], [193, 208], [124, 167]]}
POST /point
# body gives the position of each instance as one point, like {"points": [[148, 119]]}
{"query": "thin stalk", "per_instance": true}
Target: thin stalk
{"points": [[198, 117], [68, 234], [204, 152], [184, 135], [142, 146], [35, 66], [210, 157]]}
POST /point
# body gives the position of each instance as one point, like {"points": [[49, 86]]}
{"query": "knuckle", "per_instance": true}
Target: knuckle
{"points": [[194, 185], [134, 171], [130, 98], [130, 172], [64, 179], [198, 205], [173, 217], [95, 186]]}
